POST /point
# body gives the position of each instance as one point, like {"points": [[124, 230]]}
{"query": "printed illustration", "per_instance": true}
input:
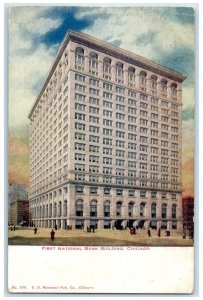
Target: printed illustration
{"points": [[101, 126]]}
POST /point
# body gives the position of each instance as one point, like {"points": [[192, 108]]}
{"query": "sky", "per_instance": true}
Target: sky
{"points": [[162, 34]]}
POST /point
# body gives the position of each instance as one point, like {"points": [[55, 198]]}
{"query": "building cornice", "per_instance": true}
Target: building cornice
{"points": [[108, 49], [137, 60]]}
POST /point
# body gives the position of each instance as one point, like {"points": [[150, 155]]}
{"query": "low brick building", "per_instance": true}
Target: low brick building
{"points": [[188, 212], [19, 211]]}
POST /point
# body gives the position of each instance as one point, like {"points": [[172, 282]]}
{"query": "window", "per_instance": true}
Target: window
{"points": [[107, 131], [143, 194], [120, 172], [132, 154], [94, 119], [93, 61], [164, 211], [107, 170], [132, 136], [79, 146], [120, 162], [132, 102], [107, 113], [131, 93], [79, 167], [79, 208], [107, 95], [131, 127], [120, 153], [79, 87], [107, 86], [79, 77], [94, 81], [79, 106], [79, 189], [79, 136], [80, 97], [79, 126], [120, 144], [131, 146], [94, 110], [107, 160], [79, 116], [79, 156], [94, 129], [107, 151], [94, 100], [132, 164], [107, 104], [119, 70], [107, 205], [120, 98], [107, 141], [120, 107], [94, 92], [94, 159], [153, 210], [107, 65], [93, 138], [79, 56], [107, 122], [93, 148], [120, 125], [93, 208], [93, 190]]}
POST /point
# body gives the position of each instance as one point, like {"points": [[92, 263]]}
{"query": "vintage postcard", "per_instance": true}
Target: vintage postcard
{"points": [[101, 149]]}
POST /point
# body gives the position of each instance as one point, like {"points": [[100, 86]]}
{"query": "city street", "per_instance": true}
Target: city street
{"points": [[103, 237]]}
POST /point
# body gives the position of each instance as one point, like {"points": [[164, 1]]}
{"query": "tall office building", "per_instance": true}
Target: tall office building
{"points": [[105, 140]]}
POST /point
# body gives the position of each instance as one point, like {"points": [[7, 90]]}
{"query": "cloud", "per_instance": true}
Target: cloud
{"points": [[29, 60]]}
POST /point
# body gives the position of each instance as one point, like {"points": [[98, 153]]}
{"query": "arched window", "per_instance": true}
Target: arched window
{"points": [[93, 208], [164, 211], [59, 210], [154, 82], [79, 208], [153, 210], [65, 208], [142, 209], [143, 78], [174, 89], [130, 209], [93, 60], [119, 208], [164, 86], [131, 74], [50, 210], [107, 208], [107, 65], [79, 56], [119, 70], [174, 209]]}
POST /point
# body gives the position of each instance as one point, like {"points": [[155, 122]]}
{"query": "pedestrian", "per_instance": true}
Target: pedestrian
{"points": [[55, 227], [35, 230], [52, 235], [184, 234], [149, 232], [14, 228], [11, 227], [159, 232]]}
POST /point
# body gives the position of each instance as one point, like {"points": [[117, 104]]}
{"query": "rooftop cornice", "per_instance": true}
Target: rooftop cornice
{"points": [[125, 55], [109, 49]]}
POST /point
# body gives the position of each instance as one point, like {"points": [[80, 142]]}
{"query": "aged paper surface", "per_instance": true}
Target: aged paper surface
{"points": [[162, 264]]}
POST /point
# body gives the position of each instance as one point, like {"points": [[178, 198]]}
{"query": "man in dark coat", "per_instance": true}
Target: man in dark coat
{"points": [[35, 230], [52, 235], [149, 232], [159, 232]]}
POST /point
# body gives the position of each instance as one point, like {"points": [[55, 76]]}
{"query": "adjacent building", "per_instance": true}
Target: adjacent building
{"points": [[188, 212], [19, 212], [105, 140], [17, 203]]}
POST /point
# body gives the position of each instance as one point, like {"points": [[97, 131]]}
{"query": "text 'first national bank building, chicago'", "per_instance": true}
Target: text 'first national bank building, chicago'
{"points": [[105, 140]]}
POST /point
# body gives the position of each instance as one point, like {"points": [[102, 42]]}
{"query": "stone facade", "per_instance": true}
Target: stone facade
{"points": [[105, 140]]}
